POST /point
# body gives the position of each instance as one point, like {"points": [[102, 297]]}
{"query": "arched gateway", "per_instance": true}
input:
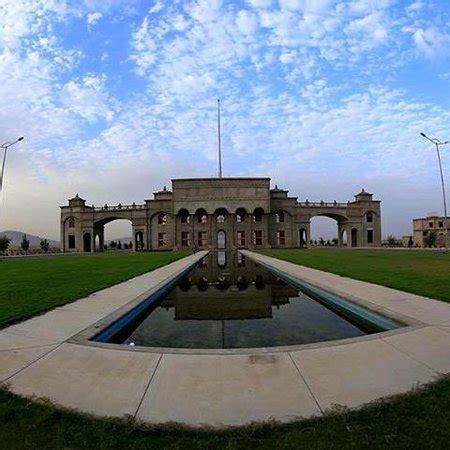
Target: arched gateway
{"points": [[221, 213]]}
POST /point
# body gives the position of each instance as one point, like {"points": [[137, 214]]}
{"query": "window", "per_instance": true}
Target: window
{"points": [[370, 236], [72, 222], [240, 215], [185, 218], [162, 219], [257, 237], [201, 238], [369, 217], [241, 238], [257, 215], [185, 241], [279, 217], [201, 216], [220, 218], [281, 238], [430, 224], [425, 233], [71, 241], [441, 224], [162, 239]]}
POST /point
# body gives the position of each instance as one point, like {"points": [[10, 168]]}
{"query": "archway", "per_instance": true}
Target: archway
{"points": [[302, 238], [354, 234], [115, 234], [98, 246], [139, 241], [325, 229], [87, 242], [221, 240], [344, 237]]}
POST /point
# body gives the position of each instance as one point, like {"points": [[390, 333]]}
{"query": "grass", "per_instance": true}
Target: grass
{"points": [[34, 285], [419, 272], [420, 420], [417, 420]]}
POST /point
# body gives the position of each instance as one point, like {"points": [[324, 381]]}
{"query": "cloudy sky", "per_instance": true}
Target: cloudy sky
{"points": [[117, 97]]}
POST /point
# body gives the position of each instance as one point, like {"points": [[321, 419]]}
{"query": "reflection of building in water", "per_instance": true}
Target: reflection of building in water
{"points": [[238, 289], [221, 213]]}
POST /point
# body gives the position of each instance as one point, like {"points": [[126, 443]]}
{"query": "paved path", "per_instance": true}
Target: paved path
{"points": [[39, 358]]}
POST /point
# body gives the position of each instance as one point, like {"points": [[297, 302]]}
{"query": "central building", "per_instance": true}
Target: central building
{"points": [[219, 214]]}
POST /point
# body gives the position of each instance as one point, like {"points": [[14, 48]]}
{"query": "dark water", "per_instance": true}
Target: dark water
{"points": [[230, 302]]}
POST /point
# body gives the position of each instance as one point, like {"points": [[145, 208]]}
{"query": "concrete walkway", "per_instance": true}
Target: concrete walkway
{"points": [[40, 358]]}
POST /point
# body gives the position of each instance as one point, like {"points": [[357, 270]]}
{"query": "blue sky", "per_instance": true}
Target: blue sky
{"points": [[116, 98]]}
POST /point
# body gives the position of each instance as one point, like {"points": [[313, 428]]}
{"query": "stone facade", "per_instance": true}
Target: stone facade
{"points": [[423, 227], [221, 213]]}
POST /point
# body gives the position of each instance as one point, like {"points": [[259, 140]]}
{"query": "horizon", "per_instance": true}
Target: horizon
{"points": [[326, 97]]}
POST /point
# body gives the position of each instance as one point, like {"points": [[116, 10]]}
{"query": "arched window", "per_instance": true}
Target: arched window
{"points": [[201, 216], [220, 215], [184, 215], [162, 219], [369, 217], [72, 222], [279, 216], [240, 215], [257, 215]]}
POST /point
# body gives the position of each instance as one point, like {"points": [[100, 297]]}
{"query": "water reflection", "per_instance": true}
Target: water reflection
{"points": [[228, 302]]}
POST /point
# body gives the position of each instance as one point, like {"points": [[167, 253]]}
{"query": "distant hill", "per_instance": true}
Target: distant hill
{"points": [[16, 239]]}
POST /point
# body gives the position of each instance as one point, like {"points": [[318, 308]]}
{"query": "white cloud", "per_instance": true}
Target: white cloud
{"points": [[431, 42], [247, 22], [93, 18]]}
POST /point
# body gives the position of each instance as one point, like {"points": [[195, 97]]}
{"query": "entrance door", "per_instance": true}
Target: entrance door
{"points": [[302, 237], [354, 237], [221, 240], [87, 242]]}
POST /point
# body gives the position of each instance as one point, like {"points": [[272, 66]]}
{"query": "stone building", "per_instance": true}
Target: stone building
{"points": [[221, 213], [424, 226]]}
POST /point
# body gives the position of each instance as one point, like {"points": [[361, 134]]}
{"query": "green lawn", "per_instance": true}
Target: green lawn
{"points": [[419, 420], [34, 285], [420, 272]]}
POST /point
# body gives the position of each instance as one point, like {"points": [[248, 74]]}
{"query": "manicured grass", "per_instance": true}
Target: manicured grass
{"points": [[416, 421], [34, 285], [419, 272]]}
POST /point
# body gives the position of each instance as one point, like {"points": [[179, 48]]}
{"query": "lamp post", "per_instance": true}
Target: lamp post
{"points": [[437, 142], [5, 147]]}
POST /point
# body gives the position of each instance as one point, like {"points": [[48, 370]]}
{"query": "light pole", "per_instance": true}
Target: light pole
{"points": [[437, 142], [5, 147]]}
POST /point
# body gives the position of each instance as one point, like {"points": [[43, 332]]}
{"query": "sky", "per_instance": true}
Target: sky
{"points": [[115, 98]]}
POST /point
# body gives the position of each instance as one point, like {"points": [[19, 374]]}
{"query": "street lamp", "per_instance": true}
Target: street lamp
{"points": [[5, 147], [437, 143]]}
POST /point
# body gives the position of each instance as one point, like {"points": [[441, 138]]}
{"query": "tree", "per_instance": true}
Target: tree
{"points": [[391, 240], [335, 241], [430, 240], [113, 244], [45, 245], [25, 244], [4, 243]]}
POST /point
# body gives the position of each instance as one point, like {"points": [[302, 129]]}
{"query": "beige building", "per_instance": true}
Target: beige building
{"points": [[424, 226], [221, 213]]}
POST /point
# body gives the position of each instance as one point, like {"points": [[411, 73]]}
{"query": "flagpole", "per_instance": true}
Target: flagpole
{"points": [[219, 138]]}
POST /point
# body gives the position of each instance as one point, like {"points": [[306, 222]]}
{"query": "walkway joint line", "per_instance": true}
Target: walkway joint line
{"points": [[148, 386], [306, 384], [31, 363]]}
